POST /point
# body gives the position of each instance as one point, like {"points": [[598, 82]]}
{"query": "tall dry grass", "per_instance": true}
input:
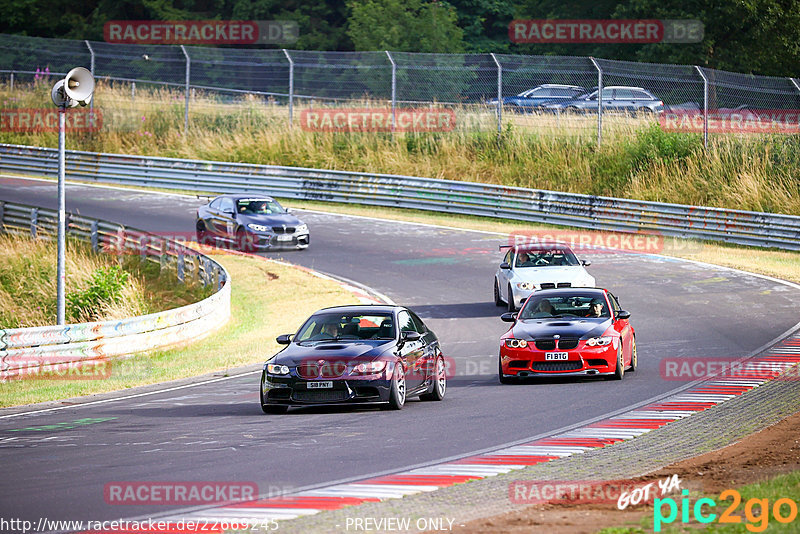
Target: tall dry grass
{"points": [[28, 284], [636, 160]]}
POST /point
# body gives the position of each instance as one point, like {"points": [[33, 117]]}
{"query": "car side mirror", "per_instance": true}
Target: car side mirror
{"points": [[508, 317], [410, 335], [228, 211], [586, 263], [505, 265], [622, 315], [285, 339]]}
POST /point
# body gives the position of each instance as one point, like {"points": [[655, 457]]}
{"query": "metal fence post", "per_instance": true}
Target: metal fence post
{"points": [[162, 260], [499, 96], [95, 237], [2, 214], [133, 91], [12, 81], [599, 101], [188, 72], [291, 86], [91, 69], [34, 221], [180, 265], [394, 90], [705, 105]]}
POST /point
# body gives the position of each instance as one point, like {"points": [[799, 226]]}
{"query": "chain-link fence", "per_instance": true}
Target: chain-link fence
{"points": [[576, 96]]}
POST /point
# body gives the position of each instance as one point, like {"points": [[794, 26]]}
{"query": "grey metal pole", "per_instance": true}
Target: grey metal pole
{"points": [[705, 106], [188, 72], [394, 90], [91, 68], [12, 81], [60, 276], [794, 82], [291, 86], [599, 101], [499, 96]]}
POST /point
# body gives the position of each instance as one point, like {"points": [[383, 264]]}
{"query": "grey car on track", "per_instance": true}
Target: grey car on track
{"points": [[250, 222]]}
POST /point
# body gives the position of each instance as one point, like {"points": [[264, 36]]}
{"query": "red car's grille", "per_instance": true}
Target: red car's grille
{"points": [[567, 344], [550, 344], [557, 366], [545, 344]]}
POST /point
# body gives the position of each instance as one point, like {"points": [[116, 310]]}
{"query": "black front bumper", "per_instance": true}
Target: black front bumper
{"points": [[292, 391]]}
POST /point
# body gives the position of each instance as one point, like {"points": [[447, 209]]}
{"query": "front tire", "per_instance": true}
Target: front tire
{"points": [[439, 386], [503, 379], [202, 234], [497, 300], [274, 409], [244, 241], [619, 372], [634, 358], [511, 306], [397, 393]]}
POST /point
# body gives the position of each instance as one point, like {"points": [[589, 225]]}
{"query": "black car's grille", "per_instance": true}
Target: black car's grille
{"points": [[545, 344], [320, 396], [567, 344], [596, 362], [283, 229], [309, 370], [557, 366], [518, 364]]}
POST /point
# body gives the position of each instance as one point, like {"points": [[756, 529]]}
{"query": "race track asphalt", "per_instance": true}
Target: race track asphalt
{"points": [[216, 431]]}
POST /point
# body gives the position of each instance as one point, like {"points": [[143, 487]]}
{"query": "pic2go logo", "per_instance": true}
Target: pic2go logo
{"points": [[756, 511]]}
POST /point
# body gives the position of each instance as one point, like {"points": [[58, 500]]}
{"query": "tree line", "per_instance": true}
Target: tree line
{"points": [[749, 36]]}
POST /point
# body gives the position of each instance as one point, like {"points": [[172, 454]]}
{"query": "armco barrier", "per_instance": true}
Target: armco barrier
{"points": [[26, 351], [468, 198]]}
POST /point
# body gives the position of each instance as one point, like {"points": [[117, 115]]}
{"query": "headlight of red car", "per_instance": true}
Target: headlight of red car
{"points": [[598, 341], [516, 343]]}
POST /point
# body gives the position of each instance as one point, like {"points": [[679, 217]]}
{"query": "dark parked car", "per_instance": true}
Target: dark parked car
{"points": [[250, 222], [366, 354], [615, 99], [537, 97]]}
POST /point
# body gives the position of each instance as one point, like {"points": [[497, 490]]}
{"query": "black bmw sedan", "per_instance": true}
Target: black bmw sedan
{"points": [[365, 354], [250, 222]]}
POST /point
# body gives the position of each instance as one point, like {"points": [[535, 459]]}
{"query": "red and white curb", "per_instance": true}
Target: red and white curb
{"points": [[767, 366]]}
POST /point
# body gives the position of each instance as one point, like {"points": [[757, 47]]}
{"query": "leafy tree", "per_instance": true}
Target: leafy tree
{"points": [[404, 26]]}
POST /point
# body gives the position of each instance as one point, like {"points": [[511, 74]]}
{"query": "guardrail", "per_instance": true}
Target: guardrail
{"points": [[448, 196], [28, 352]]}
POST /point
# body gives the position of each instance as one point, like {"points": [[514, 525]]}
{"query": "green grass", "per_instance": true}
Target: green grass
{"points": [[99, 287], [637, 159], [264, 304]]}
